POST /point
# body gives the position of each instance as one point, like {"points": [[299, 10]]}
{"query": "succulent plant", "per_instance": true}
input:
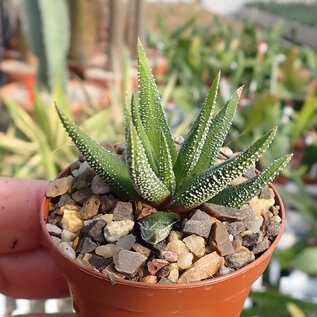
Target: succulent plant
{"points": [[170, 180]]}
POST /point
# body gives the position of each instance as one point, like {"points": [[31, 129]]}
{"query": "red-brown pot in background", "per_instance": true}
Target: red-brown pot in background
{"points": [[76, 67], [94, 295], [19, 93], [15, 71], [159, 66]]}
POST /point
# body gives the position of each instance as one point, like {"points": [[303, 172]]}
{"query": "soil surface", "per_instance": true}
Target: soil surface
{"points": [[103, 233]]}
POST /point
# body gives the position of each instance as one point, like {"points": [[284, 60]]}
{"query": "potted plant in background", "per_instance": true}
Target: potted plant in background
{"points": [[161, 226], [46, 29]]}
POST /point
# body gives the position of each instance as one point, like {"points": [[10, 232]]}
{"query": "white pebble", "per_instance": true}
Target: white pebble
{"points": [[57, 187], [174, 275], [67, 249], [56, 240], [185, 260], [115, 230], [53, 229], [68, 236], [107, 250], [196, 244], [177, 246]]}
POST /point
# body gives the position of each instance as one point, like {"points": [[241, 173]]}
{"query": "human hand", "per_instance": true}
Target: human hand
{"points": [[26, 267]]}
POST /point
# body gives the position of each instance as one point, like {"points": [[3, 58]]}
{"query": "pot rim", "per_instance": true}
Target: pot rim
{"points": [[204, 283]]}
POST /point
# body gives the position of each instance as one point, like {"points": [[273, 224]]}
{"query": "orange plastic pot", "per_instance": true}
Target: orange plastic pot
{"points": [[94, 295]]}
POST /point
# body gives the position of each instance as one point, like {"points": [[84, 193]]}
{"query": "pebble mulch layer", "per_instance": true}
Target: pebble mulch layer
{"points": [[101, 232]]}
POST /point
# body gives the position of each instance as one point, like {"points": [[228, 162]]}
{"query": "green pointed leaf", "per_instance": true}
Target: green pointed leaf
{"points": [[196, 138], [147, 184], [156, 227], [105, 163], [238, 195], [166, 166], [136, 120], [217, 134], [150, 107], [207, 184], [127, 117]]}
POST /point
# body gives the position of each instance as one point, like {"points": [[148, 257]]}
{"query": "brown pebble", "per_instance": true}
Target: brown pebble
{"points": [[106, 204], [150, 279], [204, 268], [273, 228], [164, 272], [155, 265], [80, 196], [237, 243], [219, 239], [169, 256], [90, 208], [141, 249], [274, 210], [239, 259], [164, 280], [75, 243]]}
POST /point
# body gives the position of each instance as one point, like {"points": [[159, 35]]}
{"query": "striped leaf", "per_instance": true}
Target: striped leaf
{"points": [[127, 117], [105, 163], [238, 195], [150, 107], [157, 226], [195, 140], [217, 134], [147, 184], [136, 120], [210, 182], [166, 166]]}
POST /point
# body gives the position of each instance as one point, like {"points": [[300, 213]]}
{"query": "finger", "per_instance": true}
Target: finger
{"points": [[20, 202], [31, 275], [48, 315]]}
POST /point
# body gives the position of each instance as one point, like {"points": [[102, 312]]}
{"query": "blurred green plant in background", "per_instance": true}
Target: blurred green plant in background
{"points": [[35, 146], [272, 303], [46, 29], [280, 82]]}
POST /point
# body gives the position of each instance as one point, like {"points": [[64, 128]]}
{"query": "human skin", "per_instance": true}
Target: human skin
{"points": [[26, 267]]}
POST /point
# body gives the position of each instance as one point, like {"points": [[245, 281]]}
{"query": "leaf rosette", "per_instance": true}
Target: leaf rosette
{"points": [[172, 181]]}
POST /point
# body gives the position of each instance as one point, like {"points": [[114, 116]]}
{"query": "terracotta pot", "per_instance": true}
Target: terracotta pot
{"points": [[94, 295]]}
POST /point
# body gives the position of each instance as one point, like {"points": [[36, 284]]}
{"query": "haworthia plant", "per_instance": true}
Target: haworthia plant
{"points": [[174, 182]]}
